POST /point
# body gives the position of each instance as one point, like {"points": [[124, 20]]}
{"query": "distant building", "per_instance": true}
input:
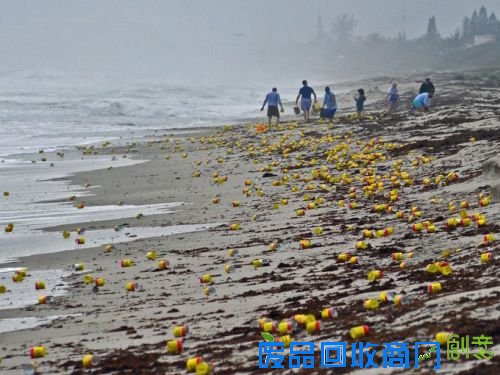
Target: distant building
{"points": [[483, 39]]}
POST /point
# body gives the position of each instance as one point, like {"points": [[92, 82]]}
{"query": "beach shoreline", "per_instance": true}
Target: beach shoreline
{"points": [[128, 331]]}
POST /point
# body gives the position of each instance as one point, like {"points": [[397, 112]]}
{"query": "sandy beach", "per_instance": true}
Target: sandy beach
{"points": [[350, 180]]}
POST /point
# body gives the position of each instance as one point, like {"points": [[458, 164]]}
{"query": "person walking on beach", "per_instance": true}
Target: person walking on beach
{"points": [[422, 102], [393, 97], [360, 102], [305, 103], [330, 102], [273, 99], [427, 86]]}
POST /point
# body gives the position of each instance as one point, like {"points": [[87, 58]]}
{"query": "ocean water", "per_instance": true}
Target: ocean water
{"points": [[49, 111], [53, 112]]}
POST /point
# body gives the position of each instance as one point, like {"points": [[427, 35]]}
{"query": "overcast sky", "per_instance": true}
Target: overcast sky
{"points": [[100, 34]]}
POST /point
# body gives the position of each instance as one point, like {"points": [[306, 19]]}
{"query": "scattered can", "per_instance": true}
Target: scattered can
{"points": [[126, 263], [151, 255], [434, 288], [87, 360], [486, 257], [180, 331], [163, 264], [38, 352], [78, 267], [130, 286], [375, 275], [192, 362], [39, 285], [305, 244], [174, 346], [359, 331], [99, 281], [313, 327], [329, 313], [206, 279]]}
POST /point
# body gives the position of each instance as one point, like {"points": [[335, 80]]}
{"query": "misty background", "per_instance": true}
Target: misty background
{"points": [[213, 41]]}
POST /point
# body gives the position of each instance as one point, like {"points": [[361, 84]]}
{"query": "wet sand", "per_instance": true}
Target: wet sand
{"points": [[127, 331]]}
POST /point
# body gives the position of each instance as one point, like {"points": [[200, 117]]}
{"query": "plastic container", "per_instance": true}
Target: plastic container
{"points": [[151, 255], [127, 263], [78, 267], [174, 346], [371, 304], [286, 327], [180, 331], [163, 264], [38, 352], [305, 244], [329, 313], [359, 332], [296, 110], [434, 288], [486, 257], [206, 279], [313, 327], [130, 286], [87, 360], [375, 275], [191, 363]]}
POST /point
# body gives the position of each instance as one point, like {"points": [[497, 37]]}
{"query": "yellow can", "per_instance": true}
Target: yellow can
{"points": [[313, 327], [130, 286], [206, 279], [285, 327], [434, 288], [285, 340], [88, 279], [192, 363], [361, 245], [442, 337], [328, 313], [486, 257], [204, 368], [3, 289], [87, 360], [269, 327], [38, 352], [174, 346], [127, 263], [151, 255], [163, 264], [398, 256], [343, 257], [375, 275], [99, 281], [359, 331], [371, 304], [305, 244], [180, 331]]}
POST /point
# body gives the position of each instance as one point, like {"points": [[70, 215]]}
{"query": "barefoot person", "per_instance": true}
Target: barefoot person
{"points": [[305, 103], [422, 102], [427, 86], [330, 102], [360, 102], [272, 100], [392, 98]]}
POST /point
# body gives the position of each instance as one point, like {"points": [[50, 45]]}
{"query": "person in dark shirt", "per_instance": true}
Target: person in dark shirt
{"points": [[305, 92], [360, 102], [427, 86]]}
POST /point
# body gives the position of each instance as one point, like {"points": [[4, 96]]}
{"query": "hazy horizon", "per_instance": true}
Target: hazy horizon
{"points": [[195, 39]]}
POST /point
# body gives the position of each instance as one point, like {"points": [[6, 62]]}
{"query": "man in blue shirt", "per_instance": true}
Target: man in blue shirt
{"points": [[272, 100], [305, 92]]}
